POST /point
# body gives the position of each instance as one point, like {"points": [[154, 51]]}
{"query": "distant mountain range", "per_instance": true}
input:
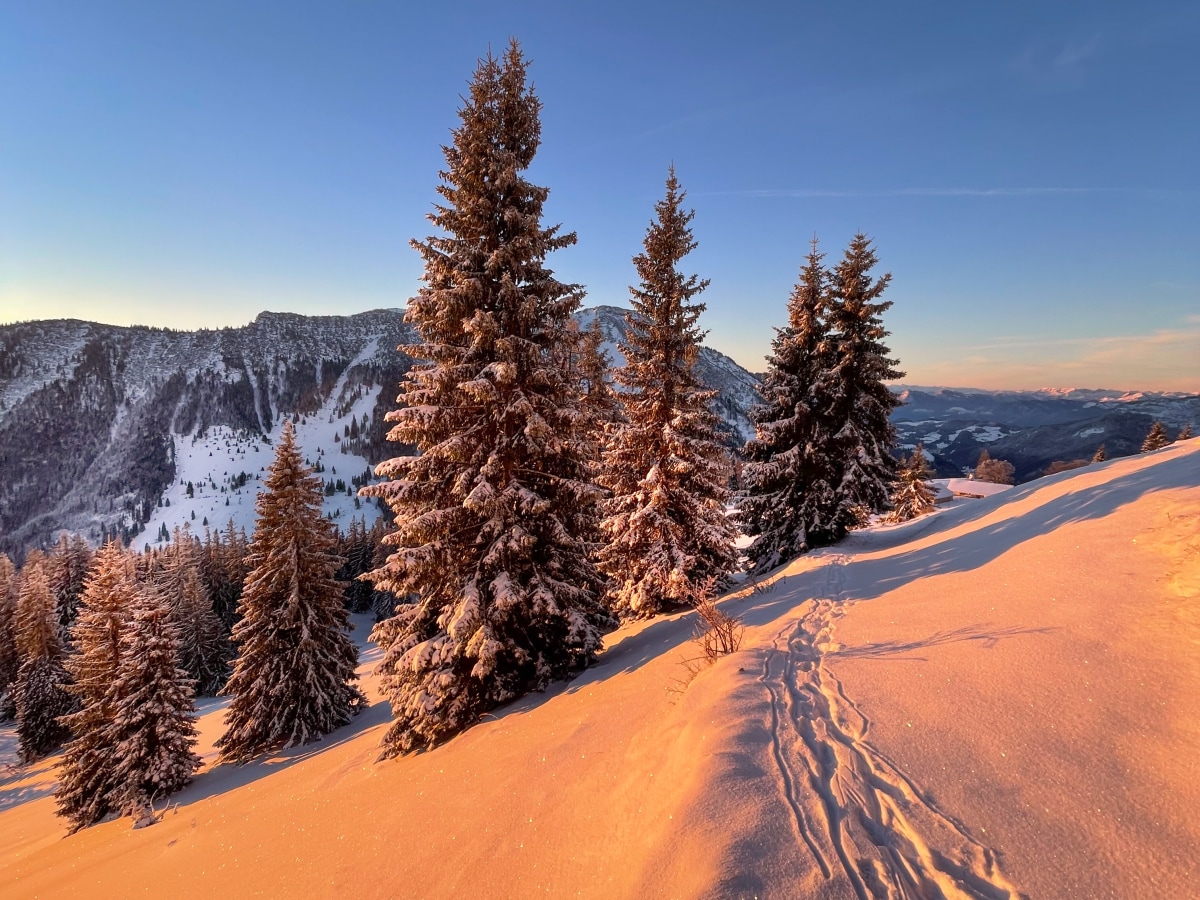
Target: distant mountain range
{"points": [[103, 428]]}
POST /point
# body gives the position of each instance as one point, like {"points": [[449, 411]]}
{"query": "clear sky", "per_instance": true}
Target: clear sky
{"points": [[1028, 170]]}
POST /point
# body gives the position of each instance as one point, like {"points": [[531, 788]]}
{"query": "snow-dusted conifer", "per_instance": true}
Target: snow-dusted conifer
{"points": [[859, 400], [913, 495], [1156, 439], [293, 679], [1185, 433], [202, 651], [1100, 455], [788, 495], [40, 691], [493, 516], [665, 526], [9, 661], [85, 773], [153, 730]]}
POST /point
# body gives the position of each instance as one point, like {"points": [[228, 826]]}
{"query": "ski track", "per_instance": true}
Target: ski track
{"points": [[853, 810]]}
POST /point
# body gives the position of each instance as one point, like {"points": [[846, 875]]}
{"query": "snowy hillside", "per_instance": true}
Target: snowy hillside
{"points": [[101, 427], [996, 700]]}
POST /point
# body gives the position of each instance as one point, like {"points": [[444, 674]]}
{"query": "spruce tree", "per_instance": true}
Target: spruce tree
{"points": [[859, 400], [1156, 439], [106, 603], [788, 495], [202, 651], [9, 661], [152, 734], [293, 679], [1185, 434], [665, 526], [913, 495], [40, 693], [1100, 455], [493, 516]]}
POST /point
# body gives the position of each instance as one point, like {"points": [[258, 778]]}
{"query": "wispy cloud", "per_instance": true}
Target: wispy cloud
{"points": [[1168, 359], [950, 192], [1058, 65]]}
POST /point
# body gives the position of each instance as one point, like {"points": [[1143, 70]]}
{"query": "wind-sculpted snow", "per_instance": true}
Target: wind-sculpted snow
{"points": [[996, 700]]}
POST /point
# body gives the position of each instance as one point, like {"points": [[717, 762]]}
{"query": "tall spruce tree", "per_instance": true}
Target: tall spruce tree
{"points": [[293, 679], [493, 516], [109, 595], [665, 526], [40, 691], [152, 734], [789, 497], [859, 401]]}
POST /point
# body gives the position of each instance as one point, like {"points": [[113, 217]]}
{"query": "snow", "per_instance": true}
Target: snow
{"points": [[1001, 692], [1088, 432], [972, 488], [213, 460]]}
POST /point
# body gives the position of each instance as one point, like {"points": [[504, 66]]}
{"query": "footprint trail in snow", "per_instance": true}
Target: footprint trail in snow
{"points": [[854, 811]]}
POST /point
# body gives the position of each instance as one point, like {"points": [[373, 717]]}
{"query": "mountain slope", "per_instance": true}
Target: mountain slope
{"points": [[98, 423], [991, 701]]}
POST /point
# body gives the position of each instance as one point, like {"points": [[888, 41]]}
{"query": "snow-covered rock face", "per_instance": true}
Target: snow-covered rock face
{"points": [[101, 427]]}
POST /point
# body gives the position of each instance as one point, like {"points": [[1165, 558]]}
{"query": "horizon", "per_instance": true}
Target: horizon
{"points": [[905, 384], [1028, 180]]}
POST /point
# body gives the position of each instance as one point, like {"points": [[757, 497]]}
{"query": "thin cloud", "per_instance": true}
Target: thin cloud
{"points": [[939, 192]]}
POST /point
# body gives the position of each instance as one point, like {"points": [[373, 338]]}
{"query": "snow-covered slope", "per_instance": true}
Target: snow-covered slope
{"points": [[996, 700], [100, 426]]}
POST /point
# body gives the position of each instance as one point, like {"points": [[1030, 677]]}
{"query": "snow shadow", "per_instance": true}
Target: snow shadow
{"points": [[987, 637]]}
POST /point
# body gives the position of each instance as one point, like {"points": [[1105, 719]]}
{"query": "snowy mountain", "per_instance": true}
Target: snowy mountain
{"points": [[997, 700], [110, 430], [1032, 429]]}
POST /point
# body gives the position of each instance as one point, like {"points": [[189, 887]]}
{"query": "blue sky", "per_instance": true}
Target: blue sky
{"points": [[1028, 170]]}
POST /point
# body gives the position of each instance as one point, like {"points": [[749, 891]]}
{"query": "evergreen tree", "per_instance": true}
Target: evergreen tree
{"points": [[913, 496], [1185, 434], [493, 517], [1100, 455], [665, 524], [293, 679], [788, 492], [107, 601], [859, 401], [202, 651], [1156, 439], [594, 367], [9, 660], [40, 693], [153, 728]]}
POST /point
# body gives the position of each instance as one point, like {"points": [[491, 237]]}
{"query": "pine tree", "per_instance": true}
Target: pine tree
{"points": [[106, 603], [1100, 455], [153, 728], [665, 524], [9, 660], [493, 517], [1185, 434], [913, 496], [293, 679], [1156, 439], [40, 691], [859, 400], [788, 492], [202, 651]]}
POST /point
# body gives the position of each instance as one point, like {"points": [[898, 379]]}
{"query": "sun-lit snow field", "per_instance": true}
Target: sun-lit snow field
{"points": [[997, 699]]}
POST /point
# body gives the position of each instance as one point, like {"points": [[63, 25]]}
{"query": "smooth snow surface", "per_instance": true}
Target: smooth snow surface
{"points": [[995, 700]]}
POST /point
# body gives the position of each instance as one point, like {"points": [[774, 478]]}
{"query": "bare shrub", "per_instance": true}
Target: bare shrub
{"points": [[717, 632]]}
